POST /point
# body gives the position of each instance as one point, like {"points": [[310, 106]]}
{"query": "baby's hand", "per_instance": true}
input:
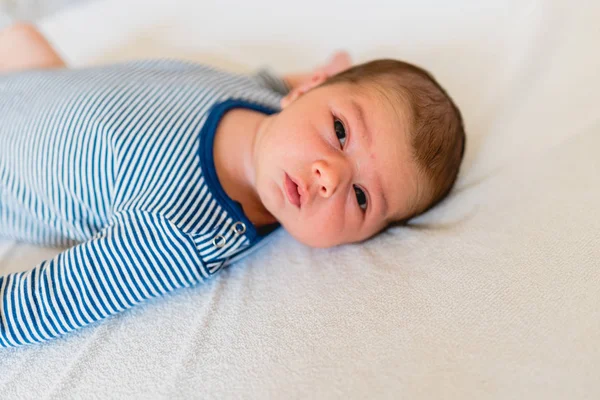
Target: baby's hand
{"points": [[339, 61], [302, 83]]}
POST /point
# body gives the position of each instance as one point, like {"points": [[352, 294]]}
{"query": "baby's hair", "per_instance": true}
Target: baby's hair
{"points": [[437, 132]]}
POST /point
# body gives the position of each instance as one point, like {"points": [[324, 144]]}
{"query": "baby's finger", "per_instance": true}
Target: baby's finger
{"points": [[340, 61]]}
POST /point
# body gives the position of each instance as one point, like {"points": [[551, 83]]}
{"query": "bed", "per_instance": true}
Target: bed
{"points": [[494, 294]]}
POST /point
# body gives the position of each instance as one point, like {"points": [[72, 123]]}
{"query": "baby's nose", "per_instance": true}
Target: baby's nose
{"points": [[327, 177]]}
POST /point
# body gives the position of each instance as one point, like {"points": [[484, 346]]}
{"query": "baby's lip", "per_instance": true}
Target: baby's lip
{"points": [[301, 191], [291, 191]]}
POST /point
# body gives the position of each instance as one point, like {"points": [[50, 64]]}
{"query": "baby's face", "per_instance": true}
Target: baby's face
{"points": [[335, 165]]}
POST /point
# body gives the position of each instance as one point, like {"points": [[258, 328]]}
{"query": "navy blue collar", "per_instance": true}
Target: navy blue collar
{"points": [[207, 162]]}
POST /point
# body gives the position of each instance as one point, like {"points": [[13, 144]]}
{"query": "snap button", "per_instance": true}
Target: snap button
{"points": [[219, 241], [238, 228]]}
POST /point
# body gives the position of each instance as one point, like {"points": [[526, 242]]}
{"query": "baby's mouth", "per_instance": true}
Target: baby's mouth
{"points": [[291, 191]]}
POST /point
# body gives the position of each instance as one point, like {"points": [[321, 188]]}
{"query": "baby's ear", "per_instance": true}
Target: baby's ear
{"points": [[315, 80]]}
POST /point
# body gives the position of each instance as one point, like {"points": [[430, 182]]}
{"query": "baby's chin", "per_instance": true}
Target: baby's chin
{"points": [[309, 237], [313, 243], [303, 232]]}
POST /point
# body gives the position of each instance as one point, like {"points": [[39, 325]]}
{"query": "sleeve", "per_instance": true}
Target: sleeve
{"points": [[265, 77], [139, 257]]}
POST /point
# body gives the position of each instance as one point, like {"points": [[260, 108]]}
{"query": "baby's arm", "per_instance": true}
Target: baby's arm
{"points": [[141, 256], [22, 46]]}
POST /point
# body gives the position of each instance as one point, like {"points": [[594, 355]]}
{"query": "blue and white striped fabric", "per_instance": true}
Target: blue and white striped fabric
{"points": [[116, 163]]}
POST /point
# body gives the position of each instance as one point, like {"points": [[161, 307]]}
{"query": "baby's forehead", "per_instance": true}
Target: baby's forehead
{"points": [[377, 99], [388, 114]]}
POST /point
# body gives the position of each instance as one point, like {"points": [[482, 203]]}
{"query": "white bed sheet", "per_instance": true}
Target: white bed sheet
{"points": [[494, 296]]}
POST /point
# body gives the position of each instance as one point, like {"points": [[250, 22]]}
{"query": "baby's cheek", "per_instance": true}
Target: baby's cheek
{"points": [[271, 196]]}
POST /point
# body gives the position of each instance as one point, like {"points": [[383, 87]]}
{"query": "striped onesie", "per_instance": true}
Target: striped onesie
{"points": [[115, 162]]}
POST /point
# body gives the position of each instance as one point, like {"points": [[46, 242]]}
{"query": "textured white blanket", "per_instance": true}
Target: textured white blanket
{"points": [[494, 294]]}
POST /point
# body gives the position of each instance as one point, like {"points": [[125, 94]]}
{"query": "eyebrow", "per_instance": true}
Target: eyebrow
{"points": [[360, 116]]}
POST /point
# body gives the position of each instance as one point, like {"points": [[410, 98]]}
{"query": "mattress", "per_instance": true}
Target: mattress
{"points": [[493, 294]]}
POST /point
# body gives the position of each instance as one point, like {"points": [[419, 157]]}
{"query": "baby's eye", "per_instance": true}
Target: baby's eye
{"points": [[340, 131], [361, 197]]}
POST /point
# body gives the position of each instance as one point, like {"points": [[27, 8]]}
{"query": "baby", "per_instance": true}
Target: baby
{"points": [[157, 174]]}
